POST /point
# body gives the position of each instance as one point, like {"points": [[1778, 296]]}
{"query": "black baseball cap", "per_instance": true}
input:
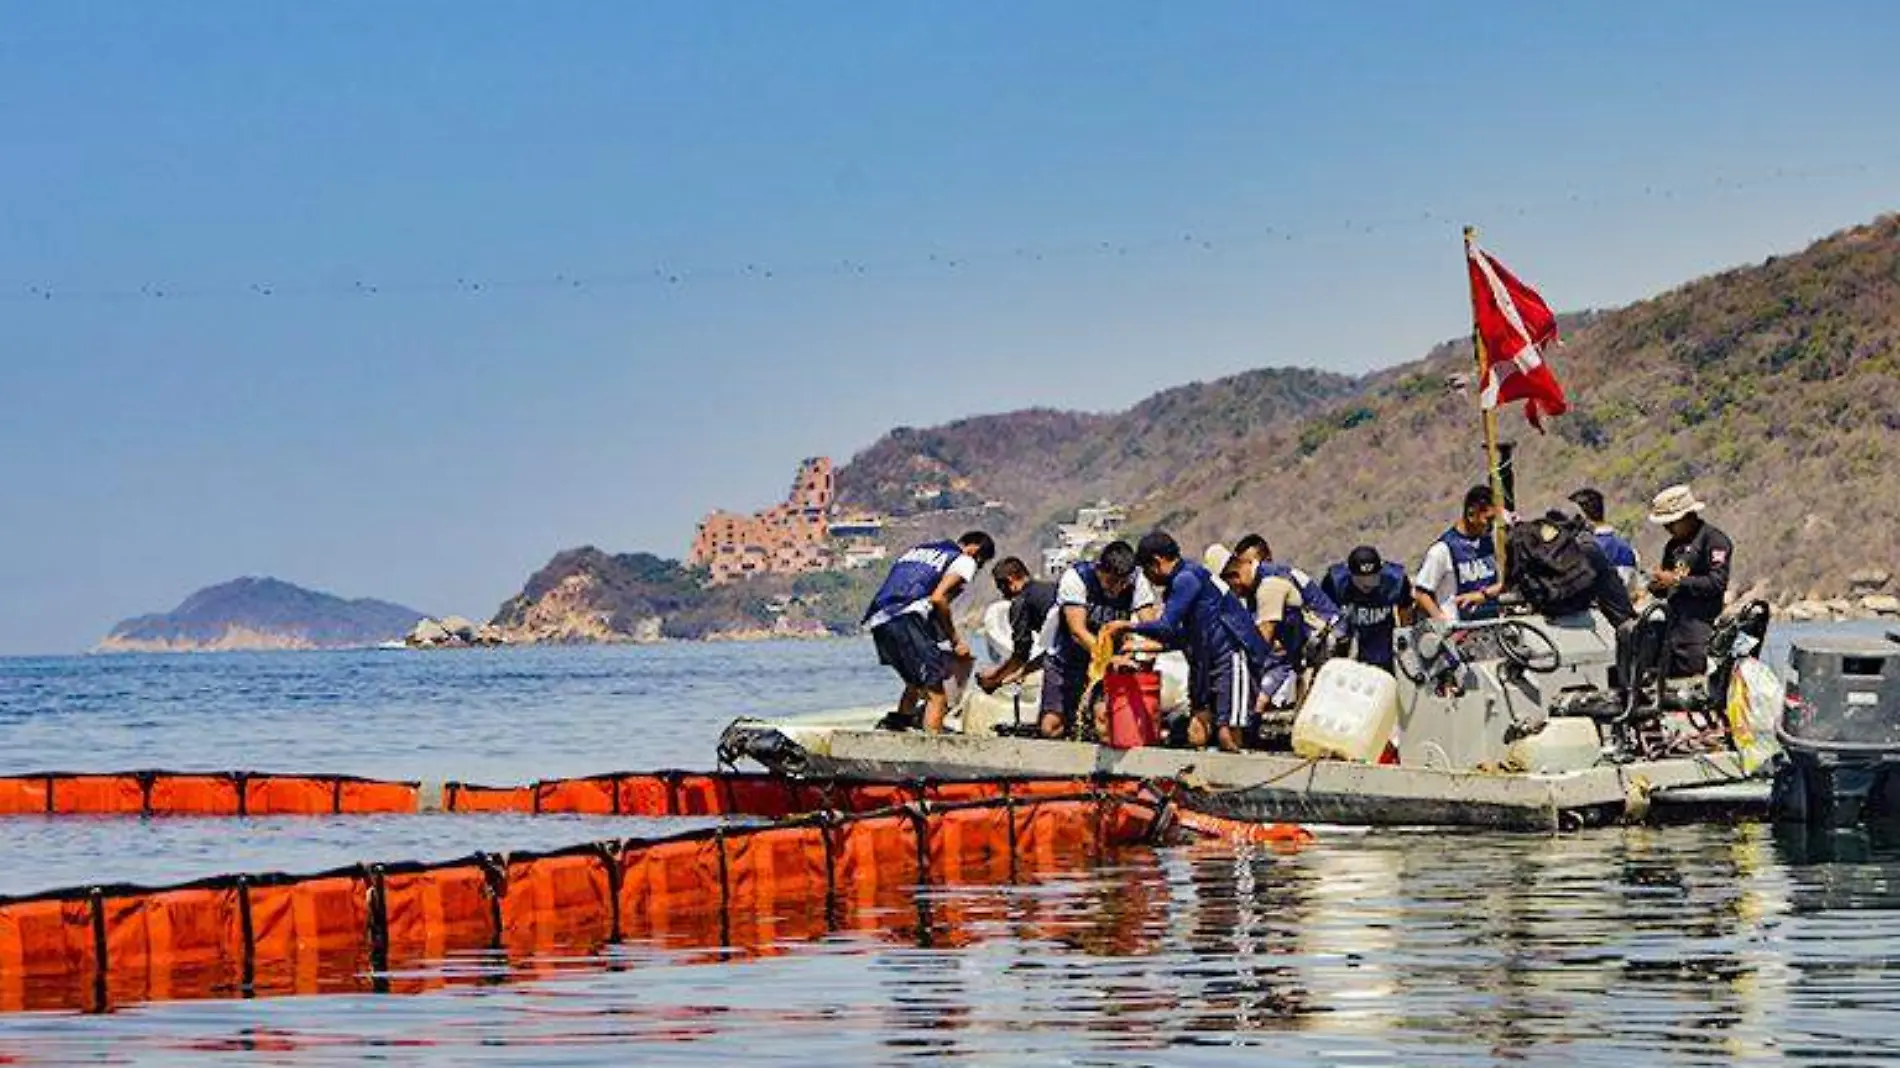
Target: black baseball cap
{"points": [[1364, 560]]}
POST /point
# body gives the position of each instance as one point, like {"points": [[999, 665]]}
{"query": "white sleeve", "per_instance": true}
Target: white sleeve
{"points": [[964, 568], [1051, 626], [1144, 593], [1434, 571], [1071, 590]]}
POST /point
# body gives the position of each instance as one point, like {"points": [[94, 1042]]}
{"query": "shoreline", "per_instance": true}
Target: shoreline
{"points": [[173, 649]]}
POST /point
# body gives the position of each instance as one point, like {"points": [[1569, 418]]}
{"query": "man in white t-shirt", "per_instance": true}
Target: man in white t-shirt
{"points": [[1090, 594], [1459, 577]]}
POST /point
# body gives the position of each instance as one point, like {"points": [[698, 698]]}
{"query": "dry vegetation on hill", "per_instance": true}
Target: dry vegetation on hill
{"points": [[1774, 388]]}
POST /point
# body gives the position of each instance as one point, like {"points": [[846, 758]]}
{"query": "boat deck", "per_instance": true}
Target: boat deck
{"points": [[1268, 787]]}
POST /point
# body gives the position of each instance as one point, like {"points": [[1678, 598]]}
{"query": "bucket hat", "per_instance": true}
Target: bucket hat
{"points": [[1672, 504]]}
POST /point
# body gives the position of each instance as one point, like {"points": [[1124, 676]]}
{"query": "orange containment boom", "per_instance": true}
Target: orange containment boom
{"points": [[358, 928], [1287, 836], [657, 793]]}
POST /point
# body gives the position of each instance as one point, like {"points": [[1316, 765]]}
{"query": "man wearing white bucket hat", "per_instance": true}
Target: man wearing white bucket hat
{"points": [[1693, 577]]}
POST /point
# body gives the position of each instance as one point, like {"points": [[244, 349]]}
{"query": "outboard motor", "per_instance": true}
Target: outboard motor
{"points": [[1840, 733]]}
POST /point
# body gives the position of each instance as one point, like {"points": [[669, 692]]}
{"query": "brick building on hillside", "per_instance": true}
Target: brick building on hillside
{"points": [[785, 539]]}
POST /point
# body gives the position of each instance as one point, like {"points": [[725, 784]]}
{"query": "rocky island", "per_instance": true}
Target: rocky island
{"points": [[261, 613]]}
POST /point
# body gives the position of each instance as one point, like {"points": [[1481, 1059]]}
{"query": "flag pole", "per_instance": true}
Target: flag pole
{"points": [[1489, 416]]}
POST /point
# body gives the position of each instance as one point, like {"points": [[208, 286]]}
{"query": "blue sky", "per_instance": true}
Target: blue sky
{"points": [[398, 299]]}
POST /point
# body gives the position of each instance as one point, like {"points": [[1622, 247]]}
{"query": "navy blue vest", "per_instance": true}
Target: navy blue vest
{"points": [[914, 576], [1371, 618], [1317, 602], [1101, 608], [1291, 632], [1474, 563], [1614, 547]]}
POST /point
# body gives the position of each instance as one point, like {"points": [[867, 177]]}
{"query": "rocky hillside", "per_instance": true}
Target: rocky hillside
{"points": [[1018, 474], [586, 595], [1775, 388], [262, 613]]}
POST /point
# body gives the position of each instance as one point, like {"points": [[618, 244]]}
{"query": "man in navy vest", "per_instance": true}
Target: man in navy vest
{"points": [[911, 625], [1278, 608], [1224, 651], [1255, 548], [1459, 578], [1621, 554], [1374, 597], [1090, 595]]}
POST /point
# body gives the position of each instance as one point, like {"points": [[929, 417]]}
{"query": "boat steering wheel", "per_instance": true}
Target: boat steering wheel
{"points": [[1528, 647]]}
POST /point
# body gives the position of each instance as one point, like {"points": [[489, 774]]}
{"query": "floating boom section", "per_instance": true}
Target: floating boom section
{"points": [[359, 928], [654, 794]]}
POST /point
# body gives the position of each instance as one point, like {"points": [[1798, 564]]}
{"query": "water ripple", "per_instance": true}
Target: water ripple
{"points": [[1689, 946]]}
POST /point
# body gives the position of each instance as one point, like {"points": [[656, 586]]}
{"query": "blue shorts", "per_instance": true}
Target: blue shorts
{"points": [[1062, 685], [1224, 685], [910, 645]]}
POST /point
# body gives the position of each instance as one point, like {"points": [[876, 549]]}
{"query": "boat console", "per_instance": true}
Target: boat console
{"points": [[1556, 693]]}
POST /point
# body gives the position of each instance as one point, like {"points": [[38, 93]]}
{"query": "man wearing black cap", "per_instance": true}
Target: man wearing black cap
{"points": [[1225, 651], [1374, 597]]}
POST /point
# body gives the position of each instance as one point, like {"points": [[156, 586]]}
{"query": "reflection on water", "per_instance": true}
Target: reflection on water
{"points": [[1616, 947]]}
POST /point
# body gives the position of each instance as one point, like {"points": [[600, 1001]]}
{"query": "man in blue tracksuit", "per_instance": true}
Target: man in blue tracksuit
{"points": [[911, 625], [1225, 652], [1374, 597]]}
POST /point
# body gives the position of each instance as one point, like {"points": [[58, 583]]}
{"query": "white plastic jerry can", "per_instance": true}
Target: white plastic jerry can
{"points": [[1350, 713]]}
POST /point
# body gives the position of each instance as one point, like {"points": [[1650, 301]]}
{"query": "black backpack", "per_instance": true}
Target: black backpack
{"points": [[1550, 563]]}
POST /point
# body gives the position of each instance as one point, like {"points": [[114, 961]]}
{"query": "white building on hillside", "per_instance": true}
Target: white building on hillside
{"points": [[1093, 526]]}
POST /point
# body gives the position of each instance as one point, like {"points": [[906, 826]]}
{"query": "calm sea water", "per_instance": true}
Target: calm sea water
{"points": [[1615, 947]]}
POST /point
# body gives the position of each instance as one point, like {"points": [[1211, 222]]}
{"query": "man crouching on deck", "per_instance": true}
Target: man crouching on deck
{"points": [[910, 622], [1091, 594], [1225, 652]]}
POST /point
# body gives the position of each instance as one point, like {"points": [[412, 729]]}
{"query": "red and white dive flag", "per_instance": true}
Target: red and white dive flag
{"points": [[1516, 326]]}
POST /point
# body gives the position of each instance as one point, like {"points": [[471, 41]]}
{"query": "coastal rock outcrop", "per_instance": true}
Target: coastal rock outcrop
{"points": [[1884, 604], [1803, 612], [1869, 580], [585, 596], [453, 632]]}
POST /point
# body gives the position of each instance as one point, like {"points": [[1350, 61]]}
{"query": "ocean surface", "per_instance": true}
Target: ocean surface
{"points": [[1614, 947]]}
